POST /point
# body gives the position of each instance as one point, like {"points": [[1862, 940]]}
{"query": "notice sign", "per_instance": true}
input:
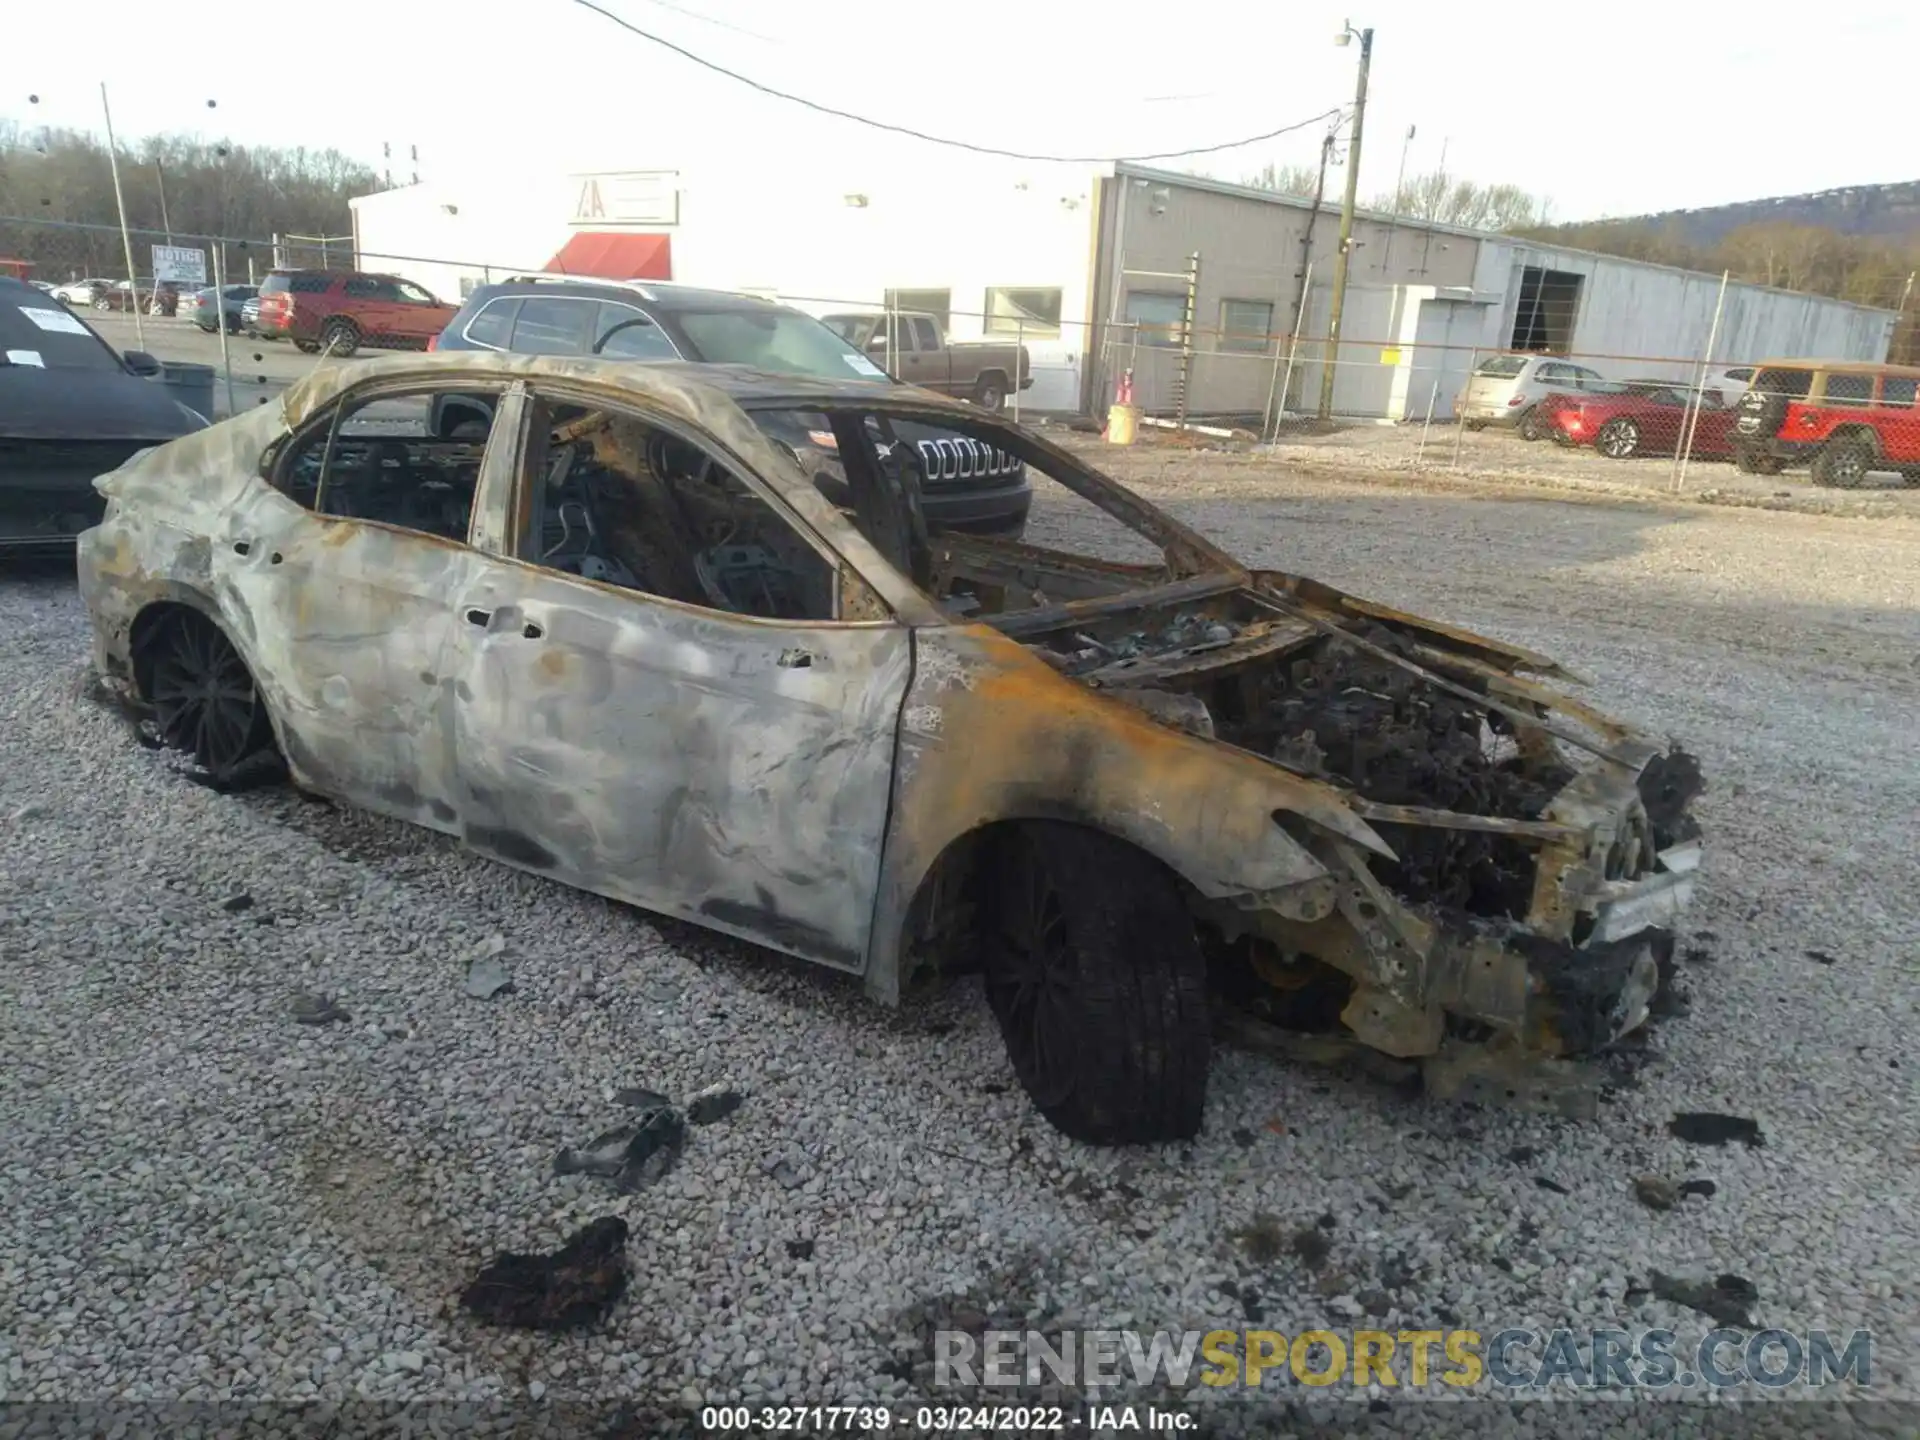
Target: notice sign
{"points": [[182, 264]]}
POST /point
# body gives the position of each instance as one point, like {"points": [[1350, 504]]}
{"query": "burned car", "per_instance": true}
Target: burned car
{"points": [[621, 640]]}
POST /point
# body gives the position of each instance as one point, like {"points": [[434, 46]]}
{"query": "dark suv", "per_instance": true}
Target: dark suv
{"points": [[966, 485]]}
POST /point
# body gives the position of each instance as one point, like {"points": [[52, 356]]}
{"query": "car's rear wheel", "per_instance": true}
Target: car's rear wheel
{"points": [[1097, 979], [990, 393], [1530, 426], [1618, 439], [203, 697], [341, 337], [1843, 464]]}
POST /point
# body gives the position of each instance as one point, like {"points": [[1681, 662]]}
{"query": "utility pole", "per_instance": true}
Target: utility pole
{"points": [[126, 235], [1342, 258], [160, 175]]}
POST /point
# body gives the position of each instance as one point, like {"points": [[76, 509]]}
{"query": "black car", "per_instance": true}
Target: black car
{"points": [[964, 484], [71, 408]]}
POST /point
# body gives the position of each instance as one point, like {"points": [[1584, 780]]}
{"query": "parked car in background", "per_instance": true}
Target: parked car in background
{"points": [[1842, 419], [341, 310], [81, 292], [1642, 417], [966, 485], [914, 347], [144, 295], [1507, 390], [250, 316], [200, 307], [71, 408], [1730, 380]]}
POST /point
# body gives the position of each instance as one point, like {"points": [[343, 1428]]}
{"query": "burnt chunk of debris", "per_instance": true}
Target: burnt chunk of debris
{"points": [[1656, 1192], [712, 1105], [1820, 957], [1521, 1154], [1707, 1127], [1727, 1298], [1555, 1186], [799, 1249], [316, 1010], [1311, 1244], [487, 973], [1243, 1137], [574, 1286], [1263, 1239], [235, 904], [1705, 1189], [640, 1098], [632, 1156]]}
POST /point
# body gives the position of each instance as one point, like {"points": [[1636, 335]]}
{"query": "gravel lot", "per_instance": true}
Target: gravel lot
{"points": [[207, 1199]]}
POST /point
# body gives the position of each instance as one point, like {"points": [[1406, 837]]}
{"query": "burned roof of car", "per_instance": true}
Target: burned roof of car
{"points": [[681, 385]]}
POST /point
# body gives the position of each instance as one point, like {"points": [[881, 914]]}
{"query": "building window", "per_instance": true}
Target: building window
{"points": [[1159, 317], [1023, 310], [1246, 326], [937, 303]]}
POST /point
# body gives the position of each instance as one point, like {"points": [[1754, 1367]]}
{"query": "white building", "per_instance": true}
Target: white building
{"points": [[1192, 284]]}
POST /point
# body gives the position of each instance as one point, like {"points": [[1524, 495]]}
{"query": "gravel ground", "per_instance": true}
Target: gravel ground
{"points": [[206, 1199]]}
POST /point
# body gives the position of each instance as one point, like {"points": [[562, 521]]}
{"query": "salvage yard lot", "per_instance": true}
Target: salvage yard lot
{"points": [[208, 1198]]}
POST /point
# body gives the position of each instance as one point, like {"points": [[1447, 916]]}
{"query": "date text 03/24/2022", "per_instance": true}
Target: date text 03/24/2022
{"points": [[942, 1419]]}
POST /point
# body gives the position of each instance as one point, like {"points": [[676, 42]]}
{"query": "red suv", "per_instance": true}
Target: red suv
{"points": [[1842, 418], [342, 310]]}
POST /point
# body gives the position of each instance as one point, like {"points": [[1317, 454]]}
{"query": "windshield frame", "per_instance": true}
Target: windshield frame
{"points": [[1195, 566]]}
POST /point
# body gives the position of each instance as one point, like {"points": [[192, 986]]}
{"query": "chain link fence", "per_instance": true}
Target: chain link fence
{"points": [[1412, 381]]}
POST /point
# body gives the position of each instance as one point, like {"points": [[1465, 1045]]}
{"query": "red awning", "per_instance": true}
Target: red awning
{"points": [[612, 255]]}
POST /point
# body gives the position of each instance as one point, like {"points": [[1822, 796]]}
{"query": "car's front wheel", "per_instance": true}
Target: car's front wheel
{"points": [[1097, 979], [203, 697], [1618, 439]]}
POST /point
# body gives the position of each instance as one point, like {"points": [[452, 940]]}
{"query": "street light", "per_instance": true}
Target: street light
{"points": [[1339, 299]]}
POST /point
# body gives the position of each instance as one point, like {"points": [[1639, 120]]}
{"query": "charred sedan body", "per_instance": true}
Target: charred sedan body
{"points": [[70, 408], [622, 640]]}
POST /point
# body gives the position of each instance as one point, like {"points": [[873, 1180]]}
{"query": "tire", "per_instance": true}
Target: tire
{"points": [[1754, 462], [990, 393], [340, 337], [204, 700], [307, 347], [1618, 440], [103, 304], [1098, 982], [1843, 464], [1530, 426]]}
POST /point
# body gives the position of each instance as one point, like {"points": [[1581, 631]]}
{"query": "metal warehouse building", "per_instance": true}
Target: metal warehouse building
{"points": [[1194, 284]]}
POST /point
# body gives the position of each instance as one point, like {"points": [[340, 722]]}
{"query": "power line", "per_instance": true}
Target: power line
{"points": [[815, 105]]}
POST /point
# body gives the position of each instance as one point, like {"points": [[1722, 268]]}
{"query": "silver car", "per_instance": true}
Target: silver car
{"points": [[1508, 389]]}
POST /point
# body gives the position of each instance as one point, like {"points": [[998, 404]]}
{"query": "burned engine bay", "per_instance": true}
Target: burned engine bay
{"points": [[1541, 850]]}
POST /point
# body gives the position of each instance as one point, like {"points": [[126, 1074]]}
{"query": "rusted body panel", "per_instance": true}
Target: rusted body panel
{"points": [[811, 785]]}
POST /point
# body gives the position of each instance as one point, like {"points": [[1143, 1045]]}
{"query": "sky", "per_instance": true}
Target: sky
{"points": [[1607, 110]]}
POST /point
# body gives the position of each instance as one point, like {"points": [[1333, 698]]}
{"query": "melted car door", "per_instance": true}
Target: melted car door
{"points": [[346, 615], [728, 768]]}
